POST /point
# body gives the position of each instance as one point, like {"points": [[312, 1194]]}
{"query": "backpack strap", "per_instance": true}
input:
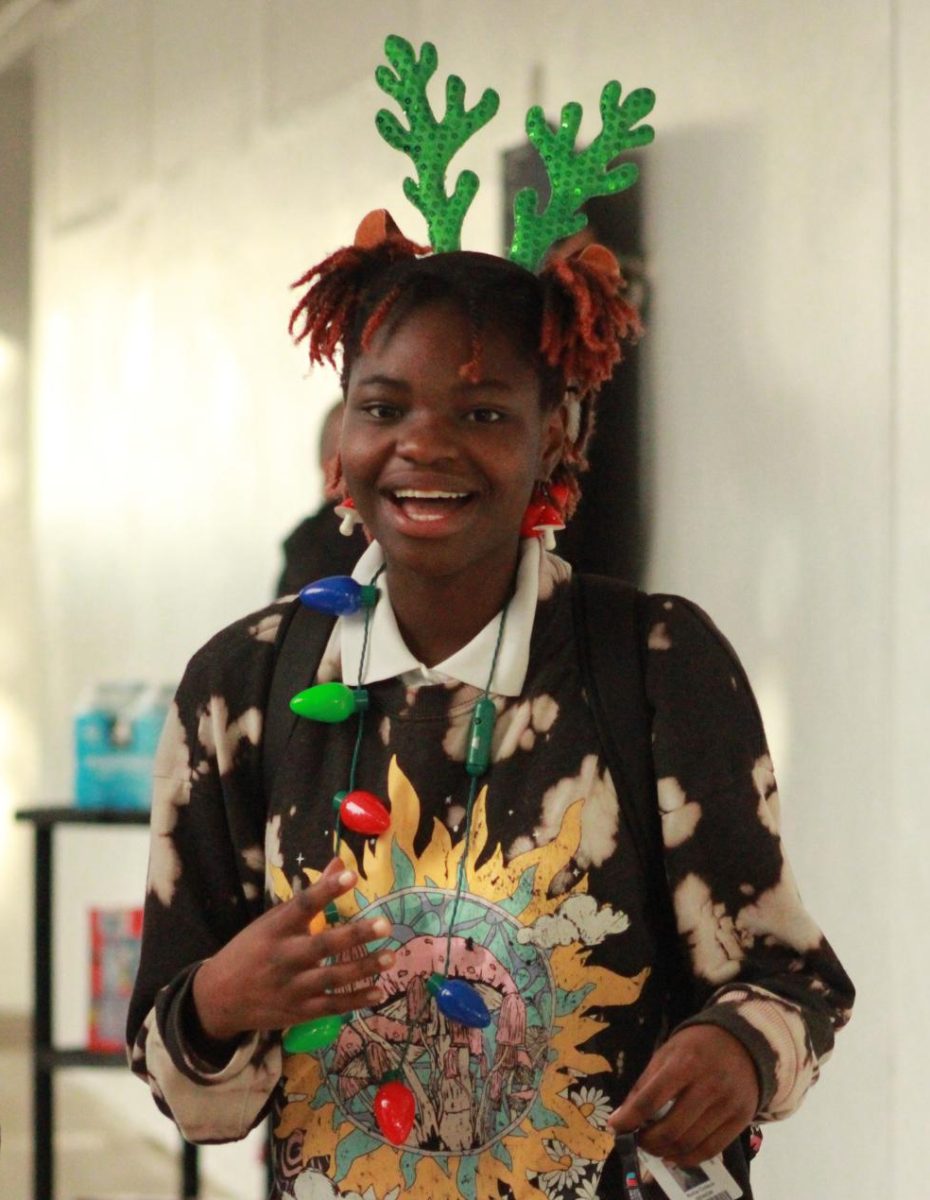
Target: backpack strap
{"points": [[299, 646], [610, 634]]}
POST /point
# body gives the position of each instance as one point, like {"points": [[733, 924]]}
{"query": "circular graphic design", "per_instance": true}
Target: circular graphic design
{"points": [[504, 1110], [472, 1085]]}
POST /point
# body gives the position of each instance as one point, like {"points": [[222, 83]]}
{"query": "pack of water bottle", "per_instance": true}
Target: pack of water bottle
{"points": [[116, 730]]}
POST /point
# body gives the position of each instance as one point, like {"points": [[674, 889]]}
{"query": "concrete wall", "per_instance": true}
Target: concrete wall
{"points": [[193, 159]]}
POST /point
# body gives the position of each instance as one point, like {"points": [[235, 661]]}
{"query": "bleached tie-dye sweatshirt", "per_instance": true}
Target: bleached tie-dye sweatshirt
{"points": [[552, 926]]}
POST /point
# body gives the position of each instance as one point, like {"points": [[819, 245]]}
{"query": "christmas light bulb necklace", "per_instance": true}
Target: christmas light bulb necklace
{"points": [[362, 811]]}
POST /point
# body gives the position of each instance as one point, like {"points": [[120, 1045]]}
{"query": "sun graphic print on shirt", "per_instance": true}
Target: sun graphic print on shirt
{"points": [[496, 1108]]}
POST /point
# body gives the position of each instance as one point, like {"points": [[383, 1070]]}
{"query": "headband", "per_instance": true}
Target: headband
{"points": [[575, 174]]}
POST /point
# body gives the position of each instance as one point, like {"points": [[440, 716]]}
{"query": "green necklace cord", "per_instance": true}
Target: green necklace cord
{"points": [[485, 715], [477, 762], [361, 696]]}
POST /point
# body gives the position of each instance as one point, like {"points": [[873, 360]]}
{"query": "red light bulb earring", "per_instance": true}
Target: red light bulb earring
{"points": [[544, 516]]}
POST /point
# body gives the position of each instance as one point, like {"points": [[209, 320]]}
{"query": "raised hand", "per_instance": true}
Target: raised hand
{"points": [[711, 1082], [275, 973]]}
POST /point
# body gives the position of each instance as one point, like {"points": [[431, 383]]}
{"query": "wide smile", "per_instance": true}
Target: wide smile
{"points": [[428, 510]]}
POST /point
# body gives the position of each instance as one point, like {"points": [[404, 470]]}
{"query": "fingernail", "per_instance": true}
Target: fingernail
{"points": [[380, 926], [374, 995], [346, 879], [385, 959]]}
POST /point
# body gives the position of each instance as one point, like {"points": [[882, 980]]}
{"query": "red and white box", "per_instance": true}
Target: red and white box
{"points": [[115, 941]]}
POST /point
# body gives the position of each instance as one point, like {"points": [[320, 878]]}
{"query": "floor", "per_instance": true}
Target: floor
{"points": [[94, 1160]]}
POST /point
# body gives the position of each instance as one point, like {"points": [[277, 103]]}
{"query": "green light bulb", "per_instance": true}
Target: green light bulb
{"points": [[329, 702], [312, 1035]]}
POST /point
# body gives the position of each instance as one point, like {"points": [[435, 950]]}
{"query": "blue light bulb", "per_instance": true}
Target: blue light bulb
{"points": [[340, 595], [459, 1001]]}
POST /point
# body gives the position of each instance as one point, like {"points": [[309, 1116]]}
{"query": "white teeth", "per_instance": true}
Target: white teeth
{"points": [[415, 494]]}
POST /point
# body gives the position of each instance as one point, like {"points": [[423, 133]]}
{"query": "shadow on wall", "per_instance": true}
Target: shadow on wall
{"points": [[723, 387]]}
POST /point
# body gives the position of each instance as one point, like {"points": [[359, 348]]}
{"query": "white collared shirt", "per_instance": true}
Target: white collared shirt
{"points": [[387, 655]]}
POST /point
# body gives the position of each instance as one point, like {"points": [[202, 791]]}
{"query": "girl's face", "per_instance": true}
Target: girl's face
{"points": [[440, 468]]}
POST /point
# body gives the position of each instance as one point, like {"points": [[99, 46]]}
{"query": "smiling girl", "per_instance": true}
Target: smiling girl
{"points": [[471, 996]]}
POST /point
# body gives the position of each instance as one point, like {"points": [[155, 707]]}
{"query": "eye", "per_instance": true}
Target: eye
{"points": [[485, 416], [380, 410]]}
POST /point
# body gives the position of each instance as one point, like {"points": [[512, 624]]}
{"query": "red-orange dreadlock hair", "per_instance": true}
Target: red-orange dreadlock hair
{"points": [[586, 323], [570, 319], [329, 305]]}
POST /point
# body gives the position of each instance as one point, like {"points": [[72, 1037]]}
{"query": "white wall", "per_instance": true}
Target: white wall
{"points": [[214, 150], [18, 675], [907, 993]]}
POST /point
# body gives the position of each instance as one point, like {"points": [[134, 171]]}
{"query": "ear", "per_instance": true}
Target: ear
{"points": [[374, 228], [555, 435], [602, 260]]}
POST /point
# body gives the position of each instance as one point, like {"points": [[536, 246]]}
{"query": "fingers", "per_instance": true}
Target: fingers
{"points": [[336, 970], [308, 905], [653, 1094], [692, 1155], [335, 881], [698, 1125], [340, 977], [340, 986], [334, 962], [347, 944], [345, 938], [710, 1077], [684, 1127]]}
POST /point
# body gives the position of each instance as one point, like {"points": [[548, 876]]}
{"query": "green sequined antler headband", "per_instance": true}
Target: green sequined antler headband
{"points": [[575, 175]]}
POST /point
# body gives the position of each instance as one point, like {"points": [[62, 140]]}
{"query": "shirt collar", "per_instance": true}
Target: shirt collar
{"points": [[387, 654]]}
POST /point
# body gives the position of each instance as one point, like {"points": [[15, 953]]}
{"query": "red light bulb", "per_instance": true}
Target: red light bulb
{"points": [[395, 1108], [364, 813]]}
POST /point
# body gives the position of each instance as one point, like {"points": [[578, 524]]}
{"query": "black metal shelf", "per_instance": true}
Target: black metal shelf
{"points": [[47, 1057], [48, 815], [62, 1057]]}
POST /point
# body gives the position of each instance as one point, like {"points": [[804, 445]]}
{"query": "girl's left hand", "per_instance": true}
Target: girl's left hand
{"points": [[709, 1076]]}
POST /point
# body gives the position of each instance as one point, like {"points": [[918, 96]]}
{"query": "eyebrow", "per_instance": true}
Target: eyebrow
{"points": [[382, 380], [392, 381]]}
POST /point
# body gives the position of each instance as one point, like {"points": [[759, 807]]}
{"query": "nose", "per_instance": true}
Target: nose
{"points": [[427, 437]]}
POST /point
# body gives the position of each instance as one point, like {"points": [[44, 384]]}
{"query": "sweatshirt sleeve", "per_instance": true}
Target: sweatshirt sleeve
{"points": [[205, 882], [761, 966]]}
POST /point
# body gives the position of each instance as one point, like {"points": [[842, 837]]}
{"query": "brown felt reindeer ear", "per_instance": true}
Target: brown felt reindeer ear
{"points": [[603, 261], [374, 228]]}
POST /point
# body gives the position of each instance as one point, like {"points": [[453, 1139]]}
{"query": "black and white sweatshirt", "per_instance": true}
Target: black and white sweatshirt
{"points": [[551, 927]]}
